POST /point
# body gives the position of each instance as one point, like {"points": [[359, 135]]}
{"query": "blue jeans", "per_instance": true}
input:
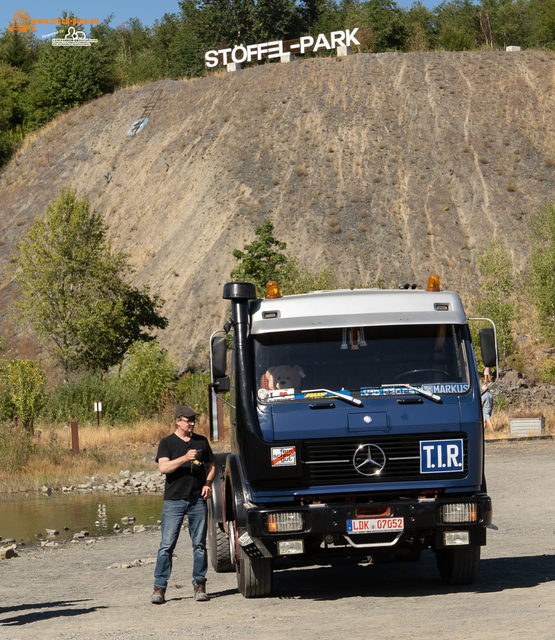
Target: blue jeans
{"points": [[172, 519]]}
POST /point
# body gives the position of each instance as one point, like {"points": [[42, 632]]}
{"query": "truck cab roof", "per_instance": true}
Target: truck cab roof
{"points": [[355, 308]]}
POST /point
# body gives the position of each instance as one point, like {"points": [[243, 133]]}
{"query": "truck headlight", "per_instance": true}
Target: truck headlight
{"points": [[290, 547], [284, 521], [459, 512], [456, 538]]}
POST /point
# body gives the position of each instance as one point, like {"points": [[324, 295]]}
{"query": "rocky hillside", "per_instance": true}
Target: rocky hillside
{"points": [[385, 166]]}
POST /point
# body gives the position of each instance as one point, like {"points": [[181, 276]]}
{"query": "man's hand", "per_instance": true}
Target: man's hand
{"points": [[191, 455], [206, 492]]}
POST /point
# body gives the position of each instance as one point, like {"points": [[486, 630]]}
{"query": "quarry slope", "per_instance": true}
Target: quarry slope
{"points": [[386, 166]]}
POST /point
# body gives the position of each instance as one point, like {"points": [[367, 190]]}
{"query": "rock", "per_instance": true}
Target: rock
{"points": [[85, 532], [116, 527], [139, 528], [135, 563], [77, 536], [8, 552], [47, 491], [512, 376], [125, 474], [38, 535], [52, 532], [125, 520], [9, 540]]}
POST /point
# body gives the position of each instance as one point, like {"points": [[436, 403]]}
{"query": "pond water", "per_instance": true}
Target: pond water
{"points": [[24, 517]]}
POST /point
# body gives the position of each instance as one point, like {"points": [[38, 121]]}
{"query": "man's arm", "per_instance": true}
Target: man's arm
{"points": [[210, 475], [165, 465]]}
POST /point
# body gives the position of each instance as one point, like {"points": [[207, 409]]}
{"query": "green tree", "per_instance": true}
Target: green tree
{"points": [[65, 77], [542, 268], [19, 49], [24, 383], [498, 285], [12, 85], [261, 261], [152, 373], [72, 289], [542, 17], [457, 25]]}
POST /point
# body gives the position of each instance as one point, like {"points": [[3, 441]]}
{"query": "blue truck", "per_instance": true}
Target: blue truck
{"points": [[356, 430]]}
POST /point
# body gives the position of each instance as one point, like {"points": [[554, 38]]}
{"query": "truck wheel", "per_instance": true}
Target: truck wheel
{"points": [[254, 577], [218, 546], [458, 565]]}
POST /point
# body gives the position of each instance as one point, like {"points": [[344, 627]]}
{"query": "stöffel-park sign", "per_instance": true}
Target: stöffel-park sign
{"points": [[306, 44]]}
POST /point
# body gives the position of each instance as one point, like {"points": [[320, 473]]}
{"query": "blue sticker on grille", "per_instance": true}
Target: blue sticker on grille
{"points": [[441, 456]]}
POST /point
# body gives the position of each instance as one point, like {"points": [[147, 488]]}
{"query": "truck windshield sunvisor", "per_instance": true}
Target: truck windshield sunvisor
{"points": [[362, 361]]}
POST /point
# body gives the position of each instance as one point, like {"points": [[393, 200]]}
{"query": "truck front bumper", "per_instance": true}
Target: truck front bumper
{"points": [[331, 526]]}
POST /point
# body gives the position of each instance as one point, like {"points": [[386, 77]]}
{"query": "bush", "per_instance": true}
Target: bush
{"points": [[22, 390], [15, 449], [192, 389], [547, 371], [74, 400], [151, 373]]}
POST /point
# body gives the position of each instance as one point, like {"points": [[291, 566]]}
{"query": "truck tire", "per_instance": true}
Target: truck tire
{"points": [[458, 565], [254, 577], [218, 546]]}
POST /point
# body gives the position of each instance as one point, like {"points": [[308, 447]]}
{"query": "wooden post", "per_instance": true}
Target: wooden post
{"points": [[75, 436]]}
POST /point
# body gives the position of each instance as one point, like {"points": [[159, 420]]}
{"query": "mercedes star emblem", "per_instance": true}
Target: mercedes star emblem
{"points": [[369, 459]]}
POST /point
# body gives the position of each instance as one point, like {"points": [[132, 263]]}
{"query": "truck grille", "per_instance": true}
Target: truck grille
{"points": [[328, 462]]}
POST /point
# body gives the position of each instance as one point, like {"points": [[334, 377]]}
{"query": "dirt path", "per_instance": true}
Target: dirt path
{"points": [[68, 592]]}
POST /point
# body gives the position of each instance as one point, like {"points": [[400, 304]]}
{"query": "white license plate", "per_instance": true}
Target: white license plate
{"points": [[375, 525]]}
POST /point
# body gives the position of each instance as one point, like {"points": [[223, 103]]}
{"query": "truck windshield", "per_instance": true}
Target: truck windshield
{"points": [[362, 360]]}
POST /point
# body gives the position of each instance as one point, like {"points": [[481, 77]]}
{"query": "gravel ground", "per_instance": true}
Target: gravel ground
{"points": [[69, 592]]}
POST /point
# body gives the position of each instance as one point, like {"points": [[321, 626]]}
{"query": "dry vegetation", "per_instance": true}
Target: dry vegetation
{"points": [[501, 421], [104, 452]]}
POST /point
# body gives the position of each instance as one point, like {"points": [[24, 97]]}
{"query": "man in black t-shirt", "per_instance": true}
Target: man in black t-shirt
{"points": [[188, 463]]}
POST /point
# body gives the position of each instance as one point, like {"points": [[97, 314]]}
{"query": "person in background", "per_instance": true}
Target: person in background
{"points": [[487, 406], [487, 375], [188, 463]]}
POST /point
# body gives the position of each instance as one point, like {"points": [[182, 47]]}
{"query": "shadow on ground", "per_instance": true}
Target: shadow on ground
{"points": [[352, 579], [38, 613]]}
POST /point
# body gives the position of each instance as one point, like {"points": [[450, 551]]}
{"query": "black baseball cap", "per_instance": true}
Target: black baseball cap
{"points": [[184, 411]]}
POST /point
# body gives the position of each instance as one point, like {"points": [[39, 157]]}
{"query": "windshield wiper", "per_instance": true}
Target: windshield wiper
{"points": [[355, 401], [421, 392]]}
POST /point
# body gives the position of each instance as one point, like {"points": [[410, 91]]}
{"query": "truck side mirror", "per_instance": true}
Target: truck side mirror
{"points": [[221, 385], [488, 347], [219, 355]]}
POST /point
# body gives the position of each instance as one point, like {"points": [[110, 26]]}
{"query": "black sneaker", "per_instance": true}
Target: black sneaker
{"points": [[158, 597], [200, 593]]}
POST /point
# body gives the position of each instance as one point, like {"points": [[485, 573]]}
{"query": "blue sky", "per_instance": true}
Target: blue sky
{"points": [[147, 12]]}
